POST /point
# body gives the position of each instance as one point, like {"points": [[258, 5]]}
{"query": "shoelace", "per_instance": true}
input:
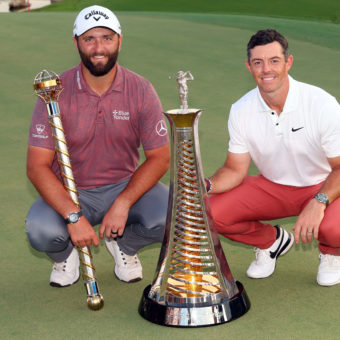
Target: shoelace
{"points": [[128, 259], [260, 254], [59, 266]]}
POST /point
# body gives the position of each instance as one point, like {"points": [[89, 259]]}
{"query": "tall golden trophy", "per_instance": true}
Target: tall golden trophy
{"points": [[47, 86], [193, 285]]}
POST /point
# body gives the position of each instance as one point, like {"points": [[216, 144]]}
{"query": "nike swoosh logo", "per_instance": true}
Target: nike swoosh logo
{"points": [[274, 253], [294, 130]]}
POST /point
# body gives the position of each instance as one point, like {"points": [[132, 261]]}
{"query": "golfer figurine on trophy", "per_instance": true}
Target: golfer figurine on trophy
{"points": [[182, 78]]}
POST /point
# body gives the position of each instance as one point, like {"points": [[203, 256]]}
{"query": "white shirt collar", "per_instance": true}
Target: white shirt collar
{"points": [[291, 100]]}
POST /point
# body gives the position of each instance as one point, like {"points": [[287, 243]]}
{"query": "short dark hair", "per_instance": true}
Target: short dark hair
{"points": [[267, 36]]}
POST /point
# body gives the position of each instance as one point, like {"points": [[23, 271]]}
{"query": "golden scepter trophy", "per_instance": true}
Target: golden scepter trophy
{"points": [[193, 285], [47, 86]]}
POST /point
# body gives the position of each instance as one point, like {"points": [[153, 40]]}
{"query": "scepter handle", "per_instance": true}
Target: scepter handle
{"points": [[47, 86]]}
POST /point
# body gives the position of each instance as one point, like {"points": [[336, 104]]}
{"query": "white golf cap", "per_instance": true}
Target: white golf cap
{"points": [[95, 16]]}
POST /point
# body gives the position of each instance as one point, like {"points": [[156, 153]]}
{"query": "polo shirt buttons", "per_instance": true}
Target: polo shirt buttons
{"points": [[278, 129], [100, 116]]}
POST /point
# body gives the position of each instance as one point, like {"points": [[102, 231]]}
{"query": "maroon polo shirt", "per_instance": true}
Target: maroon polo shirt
{"points": [[103, 133]]}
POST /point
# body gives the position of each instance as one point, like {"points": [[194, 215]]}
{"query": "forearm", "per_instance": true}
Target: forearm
{"points": [[231, 174], [51, 190], [225, 179], [144, 178]]}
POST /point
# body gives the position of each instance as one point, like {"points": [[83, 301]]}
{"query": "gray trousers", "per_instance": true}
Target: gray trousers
{"points": [[47, 231]]}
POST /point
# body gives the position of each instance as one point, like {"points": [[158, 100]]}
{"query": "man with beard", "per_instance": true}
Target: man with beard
{"points": [[107, 112]]}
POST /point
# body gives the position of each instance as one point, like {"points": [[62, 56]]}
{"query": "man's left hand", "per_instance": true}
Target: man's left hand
{"points": [[114, 221], [309, 221]]}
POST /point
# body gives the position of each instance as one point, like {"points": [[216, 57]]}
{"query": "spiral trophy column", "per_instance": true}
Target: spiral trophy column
{"points": [[47, 86], [193, 285]]}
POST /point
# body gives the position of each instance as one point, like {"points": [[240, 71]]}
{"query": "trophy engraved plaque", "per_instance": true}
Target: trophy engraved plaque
{"points": [[47, 86], [193, 285]]}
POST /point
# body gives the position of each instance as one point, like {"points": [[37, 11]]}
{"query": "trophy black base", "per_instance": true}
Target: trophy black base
{"points": [[183, 316]]}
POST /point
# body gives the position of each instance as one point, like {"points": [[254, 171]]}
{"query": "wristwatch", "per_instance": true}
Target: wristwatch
{"points": [[208, 184], [73, 217], [322, 198]]}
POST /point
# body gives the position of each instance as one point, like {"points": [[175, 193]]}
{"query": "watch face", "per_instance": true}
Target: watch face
{"points": [[322, 198], [73, 217]]}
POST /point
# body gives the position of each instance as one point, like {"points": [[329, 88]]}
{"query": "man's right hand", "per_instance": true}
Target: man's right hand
{"points": [[82, 233]]}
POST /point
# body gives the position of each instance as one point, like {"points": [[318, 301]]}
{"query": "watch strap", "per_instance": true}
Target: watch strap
{"points": [[208, 184]]}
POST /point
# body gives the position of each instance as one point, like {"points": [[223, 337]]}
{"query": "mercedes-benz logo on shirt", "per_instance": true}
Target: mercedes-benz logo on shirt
{"points": [[161, 128]]}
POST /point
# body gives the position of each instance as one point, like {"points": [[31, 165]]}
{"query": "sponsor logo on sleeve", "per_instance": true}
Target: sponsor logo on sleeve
{"points": [[41, 133], [161, 128]]}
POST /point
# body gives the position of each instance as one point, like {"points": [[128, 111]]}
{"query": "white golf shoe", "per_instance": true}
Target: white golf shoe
{"points": [[66, 273], [127, 268], [265, 262], [329, 270]]}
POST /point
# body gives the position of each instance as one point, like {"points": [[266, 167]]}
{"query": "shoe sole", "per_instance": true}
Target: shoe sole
{"points": [[57, 285], [131, 281], [327, 284]]}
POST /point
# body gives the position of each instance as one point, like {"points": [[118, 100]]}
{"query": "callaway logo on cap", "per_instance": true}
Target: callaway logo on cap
{"points": [[95, 16]]}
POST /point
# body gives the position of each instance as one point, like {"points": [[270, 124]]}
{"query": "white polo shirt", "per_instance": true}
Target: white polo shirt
{"points": [[291, 148]]}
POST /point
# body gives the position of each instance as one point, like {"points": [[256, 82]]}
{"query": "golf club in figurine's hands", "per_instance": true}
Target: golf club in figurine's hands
{"points": [[193, 285], [48, 86]]}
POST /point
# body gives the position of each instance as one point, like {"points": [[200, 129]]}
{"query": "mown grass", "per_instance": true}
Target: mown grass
{"points": [[308, 9]]}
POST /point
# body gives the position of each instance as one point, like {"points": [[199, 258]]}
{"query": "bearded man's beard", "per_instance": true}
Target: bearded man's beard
{"points": [[99, 69]]}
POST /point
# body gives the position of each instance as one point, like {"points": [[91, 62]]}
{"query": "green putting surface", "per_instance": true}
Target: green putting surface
{"points": [[288, 305], [308, 9]]}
